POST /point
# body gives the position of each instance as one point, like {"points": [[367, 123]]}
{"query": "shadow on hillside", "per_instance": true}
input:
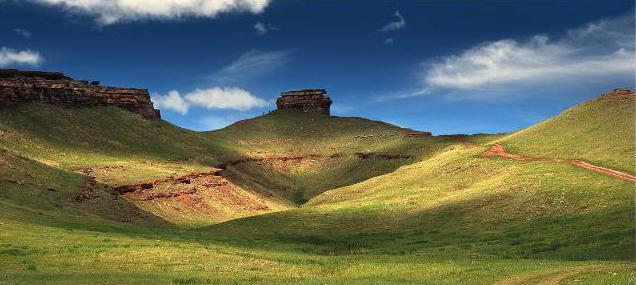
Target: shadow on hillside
{"points": [[449, 230]]}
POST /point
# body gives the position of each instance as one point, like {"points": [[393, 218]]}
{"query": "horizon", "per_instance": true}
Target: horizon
{"points": [[497, 74]]}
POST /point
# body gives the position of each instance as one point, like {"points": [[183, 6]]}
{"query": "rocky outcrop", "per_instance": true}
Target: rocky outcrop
{"points": [[618, 94], [413, 133], [18, 87], [306, 100], [184, 179]]}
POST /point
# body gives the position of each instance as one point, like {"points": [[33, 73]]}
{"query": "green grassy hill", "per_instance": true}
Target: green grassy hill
{"points": [[600, 131], [117, 148], [307, 154], [312, 153], [313, 199]]}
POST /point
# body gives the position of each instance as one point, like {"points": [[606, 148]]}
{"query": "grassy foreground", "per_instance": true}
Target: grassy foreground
{"points": [[444, 215]]}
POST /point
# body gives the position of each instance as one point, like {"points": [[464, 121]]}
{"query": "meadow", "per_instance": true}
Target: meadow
{"points": [[347, 201]]}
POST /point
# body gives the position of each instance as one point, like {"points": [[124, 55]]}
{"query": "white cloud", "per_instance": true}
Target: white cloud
{"points": [[252, 64], [395, 25], [23, 33], [113, 11], [388, 41], [262, 28], [10, 57], [173, 101], [600, 49], [232, 98], [224, 98]]}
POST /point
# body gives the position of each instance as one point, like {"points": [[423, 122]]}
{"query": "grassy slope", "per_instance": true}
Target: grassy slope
{"points": [[599, 131], [89, 138], [117, 147], [460, 204], [331, 144], [453, 217]]}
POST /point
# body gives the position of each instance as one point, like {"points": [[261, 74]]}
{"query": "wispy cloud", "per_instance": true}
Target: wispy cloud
{"points": [[222, 98], [263, 28], [598, 51], [400, 23], [401, 94], [250, 65], [388, 41], [10, 57], [111, 11], [23, 33]]}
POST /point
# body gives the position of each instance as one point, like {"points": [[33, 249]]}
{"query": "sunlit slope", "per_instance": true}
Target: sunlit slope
{"points": [[116, 148], [600, 131], [87, 138], [448, 216], [33, 192], [460, 203], [299, 155]]}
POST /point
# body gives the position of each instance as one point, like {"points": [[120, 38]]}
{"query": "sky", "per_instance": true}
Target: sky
{"points": [[442, 66]]}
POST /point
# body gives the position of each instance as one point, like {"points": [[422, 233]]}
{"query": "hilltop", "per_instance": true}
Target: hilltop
{"points": [[297, 196]]}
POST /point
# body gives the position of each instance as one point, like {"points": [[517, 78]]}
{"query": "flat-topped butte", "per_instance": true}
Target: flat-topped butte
{"points": [[305, 100], [20, 87]]}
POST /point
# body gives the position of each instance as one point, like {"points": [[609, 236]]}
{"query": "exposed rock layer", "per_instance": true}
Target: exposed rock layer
{"points": [[306, 100], [17, 87]]}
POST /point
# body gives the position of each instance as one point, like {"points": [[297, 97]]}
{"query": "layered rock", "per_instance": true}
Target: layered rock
{"points": [[18, 87], [306, 100]]}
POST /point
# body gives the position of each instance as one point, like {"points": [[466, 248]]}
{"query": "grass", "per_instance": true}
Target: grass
{"points": [[446, 216], [88, 257], [331, 145], [599, 131]]}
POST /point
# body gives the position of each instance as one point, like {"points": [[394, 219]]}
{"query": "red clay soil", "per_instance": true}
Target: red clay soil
{"points": [[498, 150], [470, 144], [608, 171], [205, 192]]}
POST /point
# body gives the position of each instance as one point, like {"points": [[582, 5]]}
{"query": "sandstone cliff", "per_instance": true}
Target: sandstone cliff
{"points": [[306, 100], [17, 87]]}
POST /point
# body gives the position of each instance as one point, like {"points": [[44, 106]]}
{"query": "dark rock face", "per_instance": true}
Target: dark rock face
{"points": [[17, 87], [306, 100]]}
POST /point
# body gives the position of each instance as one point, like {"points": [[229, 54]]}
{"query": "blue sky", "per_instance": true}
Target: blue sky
{"points": [[446, 67]]}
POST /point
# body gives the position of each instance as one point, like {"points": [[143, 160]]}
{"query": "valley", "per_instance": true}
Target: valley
{"points": [[102, 195]]}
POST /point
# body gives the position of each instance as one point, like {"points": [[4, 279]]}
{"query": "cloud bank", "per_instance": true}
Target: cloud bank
{"points": [[10, 57], [231, 98], [113, 11], [599, 49]]}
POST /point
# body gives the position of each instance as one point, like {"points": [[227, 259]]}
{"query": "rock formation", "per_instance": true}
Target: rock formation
{"points": [[306, 100], [18, 87]]}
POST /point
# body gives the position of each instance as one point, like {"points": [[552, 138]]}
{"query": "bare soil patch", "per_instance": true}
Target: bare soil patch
{"points": [[498, 150]]}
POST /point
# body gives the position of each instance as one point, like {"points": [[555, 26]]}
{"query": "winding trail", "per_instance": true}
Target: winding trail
{"points": [[498, 150]]}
